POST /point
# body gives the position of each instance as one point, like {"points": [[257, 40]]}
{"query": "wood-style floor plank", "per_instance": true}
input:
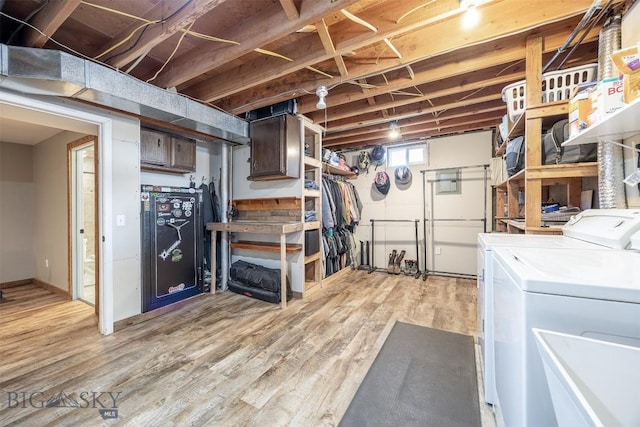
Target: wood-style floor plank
{"points": [[223, 360]]}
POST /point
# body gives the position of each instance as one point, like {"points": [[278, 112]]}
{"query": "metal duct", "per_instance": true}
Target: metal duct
{"points": [[610, 157], [50, 72]]}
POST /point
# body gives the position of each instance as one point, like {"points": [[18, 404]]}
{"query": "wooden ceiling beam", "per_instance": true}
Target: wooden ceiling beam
{"points": [[491, 107], [154, 34], [345, 110], [440, 132], [255, 32], [384, 15], [290, 9], [503, 53], [370, 119], [413, 43], [48, 20], [419, 130], [325, 37]]}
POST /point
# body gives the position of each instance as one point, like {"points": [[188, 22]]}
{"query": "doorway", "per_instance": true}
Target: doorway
{"points": [[83, 222]]}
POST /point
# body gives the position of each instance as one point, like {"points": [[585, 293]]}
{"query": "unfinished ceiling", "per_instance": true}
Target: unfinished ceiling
{"points": [[382, 61]]}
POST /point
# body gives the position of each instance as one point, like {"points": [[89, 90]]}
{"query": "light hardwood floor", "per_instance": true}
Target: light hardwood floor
{"points": [[224, 360]]}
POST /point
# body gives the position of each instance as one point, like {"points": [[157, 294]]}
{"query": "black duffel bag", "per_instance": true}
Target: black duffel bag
{"points": [[264, 281], [554, 153]]}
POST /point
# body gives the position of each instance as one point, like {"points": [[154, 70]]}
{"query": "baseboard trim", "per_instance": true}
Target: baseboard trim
{"points": [[15, 283], [51, 288], [143, 317]]}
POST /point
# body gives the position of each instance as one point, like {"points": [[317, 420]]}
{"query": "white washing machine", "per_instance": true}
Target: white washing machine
{"points": [[585, 292], [580, 227]]}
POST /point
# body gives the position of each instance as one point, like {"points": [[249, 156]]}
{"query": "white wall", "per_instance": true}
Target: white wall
{"points": [[127, 271], [457, 241], [17, 209], [51, 210]]}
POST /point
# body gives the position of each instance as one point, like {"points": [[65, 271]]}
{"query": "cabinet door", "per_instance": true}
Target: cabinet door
{"points": [[267, 147], [275, 148], [183, 154], [154, 147]]}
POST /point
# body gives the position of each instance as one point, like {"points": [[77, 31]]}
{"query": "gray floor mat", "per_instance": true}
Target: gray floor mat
{"points": [[421, 377]]}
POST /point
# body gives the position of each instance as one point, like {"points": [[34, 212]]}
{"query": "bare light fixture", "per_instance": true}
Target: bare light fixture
{"points": [[471, 16], [394, 130], [322, 92]]}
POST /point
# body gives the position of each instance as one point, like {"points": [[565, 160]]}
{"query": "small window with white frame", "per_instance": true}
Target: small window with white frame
{"points": [[405, 155]]}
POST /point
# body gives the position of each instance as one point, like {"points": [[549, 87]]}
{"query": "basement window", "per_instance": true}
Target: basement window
{"points": [[404, 156]]}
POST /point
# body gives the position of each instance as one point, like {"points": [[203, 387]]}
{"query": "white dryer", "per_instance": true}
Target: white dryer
{"points": [[577, 234], [585, 292]]}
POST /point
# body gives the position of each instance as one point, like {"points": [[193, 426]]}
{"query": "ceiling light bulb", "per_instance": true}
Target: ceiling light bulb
{"points": [[322, 92], [471, 17], [394, 130]]}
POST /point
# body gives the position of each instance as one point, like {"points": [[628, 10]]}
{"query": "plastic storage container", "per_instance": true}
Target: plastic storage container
{"points": [[556, 86]]}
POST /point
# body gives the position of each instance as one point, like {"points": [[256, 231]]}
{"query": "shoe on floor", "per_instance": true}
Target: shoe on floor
{"points": [[392, 260], [398, 262]]}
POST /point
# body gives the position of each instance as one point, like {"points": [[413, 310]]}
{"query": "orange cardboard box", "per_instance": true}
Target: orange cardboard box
{"points": [[580, 108], [628, 62]]}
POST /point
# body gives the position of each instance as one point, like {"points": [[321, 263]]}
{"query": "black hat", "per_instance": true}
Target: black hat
{"points": [[403, 175], [382, 182]]}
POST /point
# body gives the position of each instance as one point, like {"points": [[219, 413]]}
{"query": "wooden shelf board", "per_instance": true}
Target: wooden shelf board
{"points": [[270, 203], [265, 246], [312, 258], [551, 110], [310, 161], [568, 170], [256, 227], [311, 193], [313, 225], [327, 168], [517, 177]]}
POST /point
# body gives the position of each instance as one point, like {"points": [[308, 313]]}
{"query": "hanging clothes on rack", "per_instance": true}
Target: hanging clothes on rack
{"points": [[341, 213]]}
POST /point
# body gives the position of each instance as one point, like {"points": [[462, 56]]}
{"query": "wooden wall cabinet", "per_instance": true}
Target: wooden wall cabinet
{"points": [[275, 148], [161, 151], [183, 154], [155, 147]]}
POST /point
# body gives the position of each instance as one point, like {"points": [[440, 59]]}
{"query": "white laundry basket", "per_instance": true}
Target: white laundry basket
{"points": [[556, 86]]}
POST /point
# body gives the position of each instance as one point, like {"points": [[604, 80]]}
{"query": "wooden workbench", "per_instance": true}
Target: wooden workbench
{"points": [[259, 228]]}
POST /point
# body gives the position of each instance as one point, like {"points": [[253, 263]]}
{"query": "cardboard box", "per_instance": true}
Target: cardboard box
{"points": [[579, 109], [606, 98], [628, 63]]}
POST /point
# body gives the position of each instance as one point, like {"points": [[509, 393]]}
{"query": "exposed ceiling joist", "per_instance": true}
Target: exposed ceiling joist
{"points": [[257, 31], [164, 23], [48, 20], [290, 9], [325, 37]]}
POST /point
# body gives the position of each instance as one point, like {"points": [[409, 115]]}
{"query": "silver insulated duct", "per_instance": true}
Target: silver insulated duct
{"points": [[50, 72], [611, 188]]}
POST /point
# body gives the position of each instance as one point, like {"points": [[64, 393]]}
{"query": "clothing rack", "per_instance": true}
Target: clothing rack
{"points": [[431, 221], [372, 266]]}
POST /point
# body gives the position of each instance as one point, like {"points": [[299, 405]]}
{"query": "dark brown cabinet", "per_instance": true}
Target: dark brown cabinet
{"points": [[275, 148], [164, 152]]}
